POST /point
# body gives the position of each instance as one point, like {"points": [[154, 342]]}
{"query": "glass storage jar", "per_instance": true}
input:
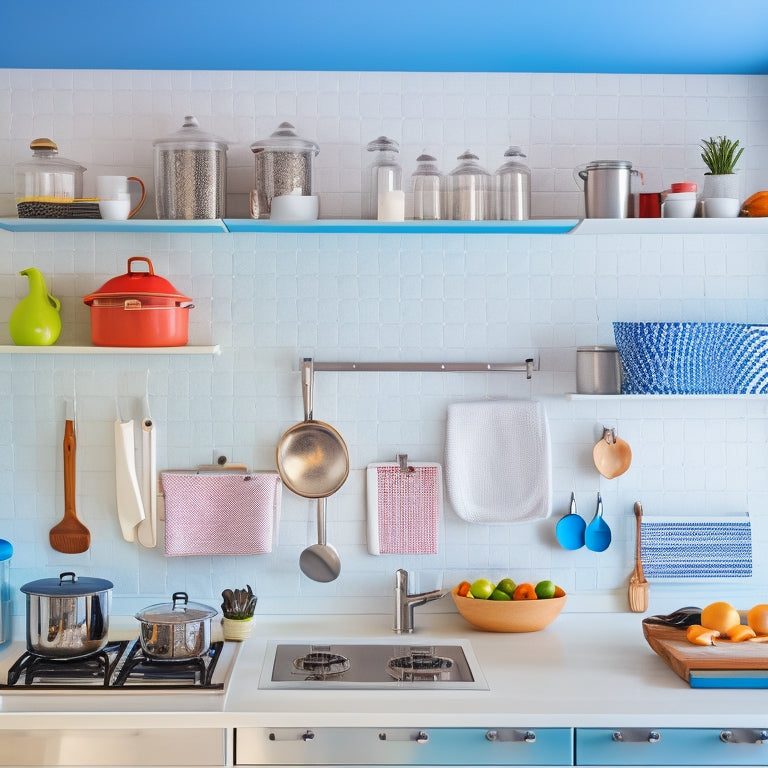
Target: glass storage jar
{"points": [[426, 183], [46, 178], [190, 174], [469, 191], [383, 174], [284, 165], [513, 187]]}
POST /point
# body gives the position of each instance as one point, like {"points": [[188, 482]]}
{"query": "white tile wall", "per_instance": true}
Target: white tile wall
{"points": [[270, 299]]}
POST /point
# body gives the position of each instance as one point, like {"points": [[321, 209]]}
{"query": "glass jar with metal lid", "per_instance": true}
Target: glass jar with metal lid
{"points": [[469, 190], [284, 166], [513, 187], [381, 175], [46, 178], [426, 183], [190, 174]]}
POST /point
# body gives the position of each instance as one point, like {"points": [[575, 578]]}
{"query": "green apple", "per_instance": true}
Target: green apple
{"points": [[499, 594], [545, 589], [507, 585], [482, 589]]}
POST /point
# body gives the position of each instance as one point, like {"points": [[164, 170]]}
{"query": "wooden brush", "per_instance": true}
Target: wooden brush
{"points": [[638, 584], [70, 535]]}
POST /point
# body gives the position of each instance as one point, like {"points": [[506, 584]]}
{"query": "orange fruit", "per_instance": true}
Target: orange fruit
{"points": [[720, 616], [463, 588], [739, 633], [525, 592], [757, 618], [699, 635], [559, 592]]}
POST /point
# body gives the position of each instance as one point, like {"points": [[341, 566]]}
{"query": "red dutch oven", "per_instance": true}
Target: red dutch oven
{"points": [[139, 309]]}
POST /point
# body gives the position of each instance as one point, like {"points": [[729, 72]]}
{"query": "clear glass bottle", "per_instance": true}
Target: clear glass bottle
{"points": [[426, 183], [469, 190], [513, 187], [6, 550], [382, 174]]}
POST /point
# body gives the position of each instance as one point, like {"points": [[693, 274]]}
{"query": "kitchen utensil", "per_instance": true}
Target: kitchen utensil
{"points": [[130, 507], [597, 535], [284, 165], [682, 617], [176, 630], [404, 507], [147, 529], [35, 320], [68, 616], [46, 179], [190, 174], [6, 627], [426, 185], [607, 188], [498, 461], [139, 309], [511, 615], [570, 528], [312, 457], [638, 584], [469, 191], [320, 562], [382, 174], [598, 371], [513, 187], [70, 535], [611, 454], [676, 547]]}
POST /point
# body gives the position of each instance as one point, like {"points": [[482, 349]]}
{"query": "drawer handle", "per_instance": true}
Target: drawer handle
{"points": [[744, 736], [422, 737], [507, 734], [635, 735]]}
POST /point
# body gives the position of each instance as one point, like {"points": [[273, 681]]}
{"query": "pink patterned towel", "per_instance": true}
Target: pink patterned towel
{"points": [[228, 513], [404, 508]]}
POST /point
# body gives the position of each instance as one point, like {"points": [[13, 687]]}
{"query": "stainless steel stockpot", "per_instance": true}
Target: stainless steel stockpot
{"points": [[67, 617], [176, 630]]}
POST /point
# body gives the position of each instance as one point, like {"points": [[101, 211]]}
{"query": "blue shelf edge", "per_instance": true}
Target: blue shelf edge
{"points": [[338, 226]]}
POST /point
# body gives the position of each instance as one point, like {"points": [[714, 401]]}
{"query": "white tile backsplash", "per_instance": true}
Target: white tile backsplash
{"points": [[270, 299]]}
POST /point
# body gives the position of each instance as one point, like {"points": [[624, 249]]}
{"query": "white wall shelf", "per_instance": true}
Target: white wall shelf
{"points": [[87, 349], [574, 396]]}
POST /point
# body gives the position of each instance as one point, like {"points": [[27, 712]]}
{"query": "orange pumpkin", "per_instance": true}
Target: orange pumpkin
{"points": [[756, 205]]}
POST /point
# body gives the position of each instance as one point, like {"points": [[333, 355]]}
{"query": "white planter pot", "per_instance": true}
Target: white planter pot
{"points": [[236, 629], [721, 185]]}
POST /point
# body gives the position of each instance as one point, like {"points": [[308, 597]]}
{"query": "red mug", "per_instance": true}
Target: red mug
{"points": [[649, 205]]}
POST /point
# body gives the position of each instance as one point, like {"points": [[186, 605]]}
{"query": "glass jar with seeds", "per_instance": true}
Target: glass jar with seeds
{"points": [[284, 165], [190, 174]]}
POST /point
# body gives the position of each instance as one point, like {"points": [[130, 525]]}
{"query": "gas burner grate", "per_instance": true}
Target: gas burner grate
{"points": [[420, 664], [321, 663]]}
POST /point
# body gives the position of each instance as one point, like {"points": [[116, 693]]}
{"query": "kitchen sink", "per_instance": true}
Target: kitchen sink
{"points": [[361, 665]]}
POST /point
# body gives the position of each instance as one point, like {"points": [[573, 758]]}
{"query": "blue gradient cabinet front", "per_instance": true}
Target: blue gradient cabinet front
{"points": [[671, 746]]}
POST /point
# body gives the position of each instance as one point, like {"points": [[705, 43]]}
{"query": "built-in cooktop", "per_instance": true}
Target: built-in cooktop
{"points": [[361, 665]]}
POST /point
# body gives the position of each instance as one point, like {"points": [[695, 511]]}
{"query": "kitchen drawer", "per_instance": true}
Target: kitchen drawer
{"points": [[403, 746], [671, 746], [114, 747]]}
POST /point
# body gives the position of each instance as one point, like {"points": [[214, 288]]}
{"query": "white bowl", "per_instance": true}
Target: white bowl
{"points": [[294, 208], [721, 207], [677, 208]]}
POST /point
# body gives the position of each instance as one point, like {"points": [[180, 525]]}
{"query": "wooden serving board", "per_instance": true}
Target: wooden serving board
{"points": [[684, 657]]}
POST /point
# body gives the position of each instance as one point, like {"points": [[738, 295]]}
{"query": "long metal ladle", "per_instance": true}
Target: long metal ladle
{"points": [[320, 562]]}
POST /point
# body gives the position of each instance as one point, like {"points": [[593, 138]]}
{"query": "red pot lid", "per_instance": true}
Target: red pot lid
{"points": [[137, 284]]}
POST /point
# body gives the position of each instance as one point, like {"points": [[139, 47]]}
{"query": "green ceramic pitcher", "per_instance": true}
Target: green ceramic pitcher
{"points": [[35, 320]]}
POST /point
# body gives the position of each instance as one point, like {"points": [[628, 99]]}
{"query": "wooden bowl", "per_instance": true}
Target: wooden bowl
{"points": [[509, 615]]}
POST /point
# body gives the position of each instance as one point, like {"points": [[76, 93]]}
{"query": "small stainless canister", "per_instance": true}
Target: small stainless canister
{"points": [[607, 189], [598, 371]]}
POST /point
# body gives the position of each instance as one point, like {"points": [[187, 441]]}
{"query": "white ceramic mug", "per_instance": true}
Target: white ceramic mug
{"points": [[117, 189], [721, 207]]}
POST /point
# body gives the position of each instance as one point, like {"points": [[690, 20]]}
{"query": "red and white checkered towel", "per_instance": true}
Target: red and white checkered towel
{"points": [[404, 508], [228, 513]]}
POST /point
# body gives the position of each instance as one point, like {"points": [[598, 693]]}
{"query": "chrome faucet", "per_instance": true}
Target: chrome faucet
{"points": [[405, 603]]}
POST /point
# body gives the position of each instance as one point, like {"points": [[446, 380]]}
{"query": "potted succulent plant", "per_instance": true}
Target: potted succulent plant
{"points": [[238, 607], [721, 184]]}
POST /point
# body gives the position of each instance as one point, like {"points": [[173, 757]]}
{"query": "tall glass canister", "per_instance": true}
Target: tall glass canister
{"points": [[469, 188], [382, 174], [6, 550], [426, 182], [513, 187]]}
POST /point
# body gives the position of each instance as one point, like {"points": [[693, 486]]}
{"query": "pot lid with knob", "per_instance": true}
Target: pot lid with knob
{"points": [[67, 584], [179, 611]]}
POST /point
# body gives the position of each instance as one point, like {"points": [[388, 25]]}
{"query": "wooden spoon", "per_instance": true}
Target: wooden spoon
{"points": [[611, 454], [70, 535], [638, 584]]}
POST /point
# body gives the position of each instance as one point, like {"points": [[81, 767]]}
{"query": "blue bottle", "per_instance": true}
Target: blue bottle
{"points": [[6, 550]]}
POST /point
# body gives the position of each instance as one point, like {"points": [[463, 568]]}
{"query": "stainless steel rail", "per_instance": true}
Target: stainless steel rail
{"points": [[526, 367]]}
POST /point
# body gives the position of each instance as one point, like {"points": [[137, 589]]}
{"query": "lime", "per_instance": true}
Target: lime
{"points": [[482, 588], [507, 585], [498, 594], [545, 589]]}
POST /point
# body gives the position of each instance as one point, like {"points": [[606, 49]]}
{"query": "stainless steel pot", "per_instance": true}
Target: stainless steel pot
{"points": [[67, 617], [176, 630], [607, 189]]}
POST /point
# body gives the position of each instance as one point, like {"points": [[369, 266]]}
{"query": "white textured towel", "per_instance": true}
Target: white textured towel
{"points": [[498, 467]]}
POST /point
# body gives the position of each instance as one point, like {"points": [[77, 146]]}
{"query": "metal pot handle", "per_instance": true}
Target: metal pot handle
{"points": [[178, 596], [65, 574], [580, 174], [307, 375]]}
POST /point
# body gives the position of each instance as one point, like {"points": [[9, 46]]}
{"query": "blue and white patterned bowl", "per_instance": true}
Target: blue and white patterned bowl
{"points": [[687, 358]]}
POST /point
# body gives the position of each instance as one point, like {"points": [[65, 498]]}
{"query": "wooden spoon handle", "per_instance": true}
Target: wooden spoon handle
{"points": [[638, 556], [69, 469]]}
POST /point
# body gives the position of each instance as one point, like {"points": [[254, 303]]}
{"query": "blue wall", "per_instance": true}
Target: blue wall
{"points": [[635, 36]]}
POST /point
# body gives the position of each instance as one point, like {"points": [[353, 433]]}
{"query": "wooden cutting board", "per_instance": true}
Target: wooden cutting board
{"points": [[684, 657]]}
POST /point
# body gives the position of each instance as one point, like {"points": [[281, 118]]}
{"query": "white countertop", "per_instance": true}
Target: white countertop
{"points": [[584, 670]]}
